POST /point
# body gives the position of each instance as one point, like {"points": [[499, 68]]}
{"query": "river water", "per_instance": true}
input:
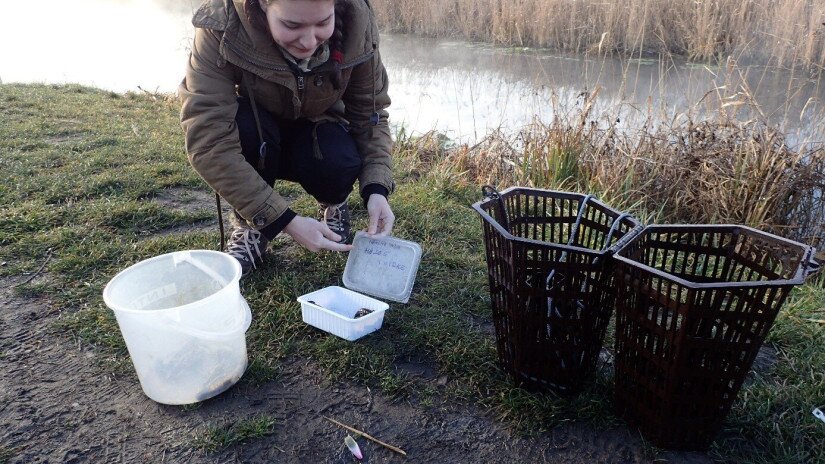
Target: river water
{"points": [[462, 90]]}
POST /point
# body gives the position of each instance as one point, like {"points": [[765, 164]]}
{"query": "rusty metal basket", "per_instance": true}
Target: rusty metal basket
{"points": [[693, 305], [550, 284]]}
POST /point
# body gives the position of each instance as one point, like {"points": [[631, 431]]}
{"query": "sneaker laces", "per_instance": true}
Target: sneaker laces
{"points": [[243, 242], [335, 219]]}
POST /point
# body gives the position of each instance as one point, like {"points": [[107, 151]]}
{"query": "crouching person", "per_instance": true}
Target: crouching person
{"points": [[289, 90]]}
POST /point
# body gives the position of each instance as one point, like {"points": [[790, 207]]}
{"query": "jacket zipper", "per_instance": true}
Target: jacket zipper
{"points": [[301, 84]]}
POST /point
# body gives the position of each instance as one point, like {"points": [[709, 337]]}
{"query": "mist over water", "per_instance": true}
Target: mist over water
{"points": [[463, 90]]}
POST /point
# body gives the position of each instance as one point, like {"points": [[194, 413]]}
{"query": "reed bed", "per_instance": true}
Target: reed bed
{"points": [[717, 169], [786, 33]]}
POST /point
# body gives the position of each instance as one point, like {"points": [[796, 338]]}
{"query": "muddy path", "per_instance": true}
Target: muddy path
{"points": [[59, 404]]}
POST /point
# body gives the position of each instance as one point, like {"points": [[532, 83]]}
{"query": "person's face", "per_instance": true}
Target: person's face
{"points": [[300, 26]]}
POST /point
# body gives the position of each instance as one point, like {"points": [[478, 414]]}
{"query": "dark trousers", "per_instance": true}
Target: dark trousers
{"points": [[322, 157]]}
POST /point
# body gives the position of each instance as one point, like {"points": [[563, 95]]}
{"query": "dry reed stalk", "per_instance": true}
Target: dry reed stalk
{"points": [[784, 33]]}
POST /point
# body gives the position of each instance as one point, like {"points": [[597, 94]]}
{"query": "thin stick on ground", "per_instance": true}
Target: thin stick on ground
{"points": [[31, 277], [368, 437]]}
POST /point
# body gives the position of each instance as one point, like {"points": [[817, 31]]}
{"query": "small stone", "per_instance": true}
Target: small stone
{"points": [[442, 381]]}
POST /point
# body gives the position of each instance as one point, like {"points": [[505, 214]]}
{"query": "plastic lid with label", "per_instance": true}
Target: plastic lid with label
{"points": [[382, 267]]}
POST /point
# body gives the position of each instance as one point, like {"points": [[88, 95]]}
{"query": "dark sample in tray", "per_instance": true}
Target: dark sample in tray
{"points": [[362, 312]]}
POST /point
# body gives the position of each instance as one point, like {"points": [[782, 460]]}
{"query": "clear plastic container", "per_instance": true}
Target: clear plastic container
{"points": [[184, 322], [382, 267]]}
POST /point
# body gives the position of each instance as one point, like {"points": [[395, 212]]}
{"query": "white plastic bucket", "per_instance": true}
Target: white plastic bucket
{"points": [[184, 322]]}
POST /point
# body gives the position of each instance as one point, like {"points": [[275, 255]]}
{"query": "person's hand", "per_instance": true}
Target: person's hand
{"points": [[314, 235], [381, 217]]}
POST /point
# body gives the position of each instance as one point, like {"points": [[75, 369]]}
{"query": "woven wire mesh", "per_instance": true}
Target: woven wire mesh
{"points": [[693, 306], [551, 295]]}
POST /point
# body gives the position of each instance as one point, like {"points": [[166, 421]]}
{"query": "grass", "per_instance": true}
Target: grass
{"points": [[779, 405], [85, 169], [5, 454], [218, 437], [785, 33]]}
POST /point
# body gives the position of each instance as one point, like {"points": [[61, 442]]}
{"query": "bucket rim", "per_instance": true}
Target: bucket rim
{"points": [[107, 298]]}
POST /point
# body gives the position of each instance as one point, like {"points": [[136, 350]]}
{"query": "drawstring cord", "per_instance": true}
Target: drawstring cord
{"points": [[316, 148], [261, 155], [262, 148], [220, 220]]}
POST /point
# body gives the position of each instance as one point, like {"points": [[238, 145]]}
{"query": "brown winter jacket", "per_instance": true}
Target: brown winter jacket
{"points": [[226, 51]]}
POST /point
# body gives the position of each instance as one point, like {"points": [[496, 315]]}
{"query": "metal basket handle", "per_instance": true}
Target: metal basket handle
{"points": [[811, 265], [627, 237], [491, 193], [488, 191]]}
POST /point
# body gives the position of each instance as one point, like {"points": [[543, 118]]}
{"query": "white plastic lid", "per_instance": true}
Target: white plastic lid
{"points": [[382, 267]]}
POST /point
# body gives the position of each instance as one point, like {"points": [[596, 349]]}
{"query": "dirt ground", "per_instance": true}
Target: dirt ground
{"points": [[59, 404]]}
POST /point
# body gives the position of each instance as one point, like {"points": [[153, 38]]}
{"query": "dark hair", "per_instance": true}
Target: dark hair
{"points": [[257, 18]]}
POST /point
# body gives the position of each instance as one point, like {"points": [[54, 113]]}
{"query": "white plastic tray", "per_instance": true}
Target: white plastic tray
{"points": [[332, 309]]}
